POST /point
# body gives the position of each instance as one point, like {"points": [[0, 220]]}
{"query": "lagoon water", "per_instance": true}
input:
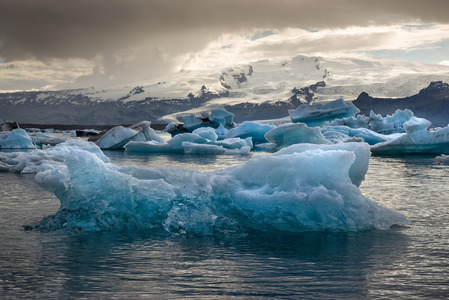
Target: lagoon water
{"points": [[403, 263]]}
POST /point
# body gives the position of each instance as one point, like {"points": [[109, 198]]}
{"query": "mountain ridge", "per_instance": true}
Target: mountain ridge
{"points": [[259, 90]]}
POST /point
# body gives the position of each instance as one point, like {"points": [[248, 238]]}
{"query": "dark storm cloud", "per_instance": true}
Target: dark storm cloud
{"points": [[132, 40], [84, 28]]}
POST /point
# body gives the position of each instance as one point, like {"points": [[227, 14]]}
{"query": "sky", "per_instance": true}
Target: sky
{"points": [[54, 44]]}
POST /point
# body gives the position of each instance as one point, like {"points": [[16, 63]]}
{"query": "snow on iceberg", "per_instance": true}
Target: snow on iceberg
{"points": [[318, 113], [251, 129], [119, 136], [16, 139], [416, 141], [303, 188], [289, 134]]}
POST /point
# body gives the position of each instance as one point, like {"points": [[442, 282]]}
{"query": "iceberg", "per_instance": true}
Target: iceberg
{"points": [[316, 114], [212, 149], [301, 188], [215, 118], [207, 133], [289, 134], [251, 129], [357, 169], [16, 139], [416, 141], [119, 136], [200, 141], [174, 145], [415, 124], [390, 124], [341, 134], [41, 139], [375, 122], [220, 116], [361, 121]]}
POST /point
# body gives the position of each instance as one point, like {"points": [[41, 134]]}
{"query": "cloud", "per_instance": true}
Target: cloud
{"points": [[444, 63], [131, 40]]}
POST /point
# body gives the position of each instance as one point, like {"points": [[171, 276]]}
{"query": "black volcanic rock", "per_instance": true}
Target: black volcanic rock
{"points": [[431, 103], [306, 93]]}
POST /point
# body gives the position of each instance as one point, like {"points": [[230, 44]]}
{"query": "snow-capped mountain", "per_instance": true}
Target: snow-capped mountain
{"points": [[260, 90]]}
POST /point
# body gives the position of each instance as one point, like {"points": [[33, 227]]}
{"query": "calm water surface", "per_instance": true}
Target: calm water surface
{"points": [[403, 263]]}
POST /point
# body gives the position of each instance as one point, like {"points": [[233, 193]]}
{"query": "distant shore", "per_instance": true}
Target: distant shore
{"points": [[81, 127]]}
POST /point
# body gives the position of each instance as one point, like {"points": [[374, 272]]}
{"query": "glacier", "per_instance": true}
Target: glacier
{"points": [[300, 188]]}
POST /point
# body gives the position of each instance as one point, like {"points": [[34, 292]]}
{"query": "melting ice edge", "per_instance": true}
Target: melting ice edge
{"points": [[303, 187]]}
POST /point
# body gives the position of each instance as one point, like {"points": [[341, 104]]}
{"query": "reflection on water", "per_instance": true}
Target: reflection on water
{"points": [[403, 263]]}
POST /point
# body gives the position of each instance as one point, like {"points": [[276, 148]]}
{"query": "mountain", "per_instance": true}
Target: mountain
{"points": [[261, 90], [431, 103]]}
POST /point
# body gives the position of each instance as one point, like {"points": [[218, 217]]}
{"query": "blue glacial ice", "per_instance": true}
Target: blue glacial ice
{"points": [[375, 122], [215, 118], [290, 134], [316, 114], [301, 188], [41, 139], [119, 136], [417, 140], [342, 134], [256, 131], [16, 139], [201, 141]]}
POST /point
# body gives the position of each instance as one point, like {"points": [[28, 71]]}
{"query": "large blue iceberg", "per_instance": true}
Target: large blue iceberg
{"points": [[302, 188], [318, 113]]}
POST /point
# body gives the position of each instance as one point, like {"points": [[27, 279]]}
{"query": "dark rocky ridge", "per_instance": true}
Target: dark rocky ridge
{"points": [[431, 103]]}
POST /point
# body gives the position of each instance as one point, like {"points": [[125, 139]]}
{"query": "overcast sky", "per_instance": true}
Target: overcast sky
{"points": [[51, 44]]}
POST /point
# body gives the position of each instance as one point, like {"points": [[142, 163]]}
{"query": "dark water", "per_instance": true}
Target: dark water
{"points": [[403, 263]]}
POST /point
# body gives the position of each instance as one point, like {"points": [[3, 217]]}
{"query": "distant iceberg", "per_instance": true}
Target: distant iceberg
{"points": [[343, 134], [316, 114], [251, 129], [119, 136], [417, 140], [16, 139], [301, 188], [375, 122], [203, 140], [290, 134]]}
